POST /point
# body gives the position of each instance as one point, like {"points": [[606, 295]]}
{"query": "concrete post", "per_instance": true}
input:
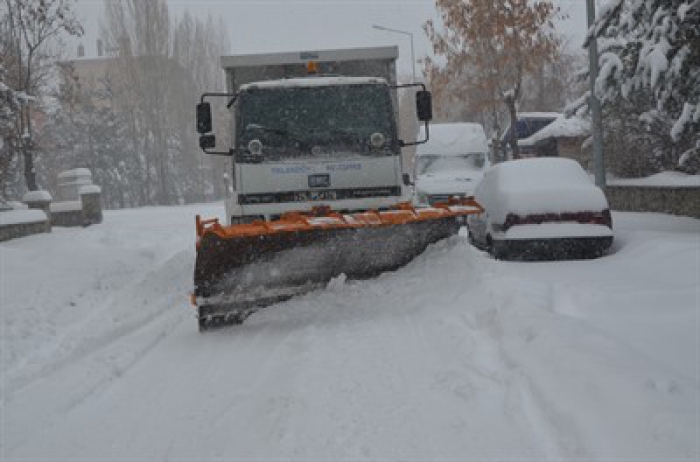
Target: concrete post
{"points": [[40, 200], [90, 197]]}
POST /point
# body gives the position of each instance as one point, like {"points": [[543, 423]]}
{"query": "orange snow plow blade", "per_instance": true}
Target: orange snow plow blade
{"points": [[241, 268]]}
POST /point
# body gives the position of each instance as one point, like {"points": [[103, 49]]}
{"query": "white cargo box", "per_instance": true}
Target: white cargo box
{"points": [[348, 62]]}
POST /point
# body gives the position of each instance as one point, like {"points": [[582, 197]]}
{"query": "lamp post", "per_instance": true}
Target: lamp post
{"points": [[596, 116], [413, 56]]}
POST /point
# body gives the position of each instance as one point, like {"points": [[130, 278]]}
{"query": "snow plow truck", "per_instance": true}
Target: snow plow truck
{"points": [[318, 181]]}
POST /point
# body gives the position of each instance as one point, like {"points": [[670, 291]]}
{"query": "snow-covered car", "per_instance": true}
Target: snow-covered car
{"points": [[542, 208], [451, 163]]}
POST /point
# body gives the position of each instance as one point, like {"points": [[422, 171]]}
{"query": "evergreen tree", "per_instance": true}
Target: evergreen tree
{"points": [[650, 55], [10, 104]]}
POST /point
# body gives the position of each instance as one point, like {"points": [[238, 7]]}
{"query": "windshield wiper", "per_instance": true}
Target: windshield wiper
{"points": [[263, 128], [340, 133]]}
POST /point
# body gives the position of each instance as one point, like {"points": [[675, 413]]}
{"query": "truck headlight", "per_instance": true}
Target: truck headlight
{"points": [[377, 140], [255, 147]]}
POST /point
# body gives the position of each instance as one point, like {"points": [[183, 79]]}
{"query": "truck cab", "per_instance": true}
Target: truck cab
{"points": [[314, 129], [308, 141]]}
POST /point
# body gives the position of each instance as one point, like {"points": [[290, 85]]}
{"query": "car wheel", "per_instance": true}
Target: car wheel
{"points": [[498, 250], [489, 244], [470, 238], [475, 242]]}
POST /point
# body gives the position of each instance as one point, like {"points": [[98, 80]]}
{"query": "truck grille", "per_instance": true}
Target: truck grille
{"points": [[321, 195]]}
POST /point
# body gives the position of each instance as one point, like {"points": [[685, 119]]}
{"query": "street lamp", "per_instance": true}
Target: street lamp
{"points": [[413, 56], [594, 102]]}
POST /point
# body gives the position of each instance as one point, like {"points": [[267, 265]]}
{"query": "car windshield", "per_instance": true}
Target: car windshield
{"points": [[290, 121], [441, 163], [528, 127]]}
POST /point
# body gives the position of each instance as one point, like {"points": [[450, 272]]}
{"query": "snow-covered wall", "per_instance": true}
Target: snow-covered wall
{"points": [[20, 223], [676, 200]]}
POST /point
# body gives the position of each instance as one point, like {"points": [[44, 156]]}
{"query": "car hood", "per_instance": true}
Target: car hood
{"points": [[448, 182]]}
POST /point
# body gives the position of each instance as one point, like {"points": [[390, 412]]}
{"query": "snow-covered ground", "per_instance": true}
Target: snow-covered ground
{"points": [[456, 356]]}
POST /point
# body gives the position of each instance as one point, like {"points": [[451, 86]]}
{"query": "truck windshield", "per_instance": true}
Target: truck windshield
{"points": [[441, 163], [294, 122]]}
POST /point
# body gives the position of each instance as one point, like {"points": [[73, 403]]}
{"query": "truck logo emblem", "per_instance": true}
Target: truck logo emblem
{"points": [[322, 180]]}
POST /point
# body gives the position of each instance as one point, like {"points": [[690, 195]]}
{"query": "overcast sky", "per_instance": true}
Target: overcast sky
{"points": [[291, 25]]}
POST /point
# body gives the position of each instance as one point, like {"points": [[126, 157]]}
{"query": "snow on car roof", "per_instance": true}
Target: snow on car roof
{"points": [[539, 185], [528, 174], [314, 82], [453, 139]]}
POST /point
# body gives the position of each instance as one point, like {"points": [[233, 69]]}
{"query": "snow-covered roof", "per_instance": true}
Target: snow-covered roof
{"points": [[37, 196], [76, 172], [89, 189], [562, 127], [453, 139], [538, 115], [314, 82]]}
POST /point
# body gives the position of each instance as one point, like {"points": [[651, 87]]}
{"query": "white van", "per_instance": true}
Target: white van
{"points": [[451, 163]]}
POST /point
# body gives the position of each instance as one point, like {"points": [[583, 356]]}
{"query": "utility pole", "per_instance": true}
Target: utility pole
{"points": [[594, 103]]}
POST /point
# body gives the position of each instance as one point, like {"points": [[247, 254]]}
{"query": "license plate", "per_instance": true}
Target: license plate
{"points": [[320, 181], [306, 196]]}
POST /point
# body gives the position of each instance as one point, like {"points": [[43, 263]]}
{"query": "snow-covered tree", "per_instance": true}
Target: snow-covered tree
{"points": [[652, 48], [86, 130], [160, 69], [29, 28], [198, 45], [10, 104]]}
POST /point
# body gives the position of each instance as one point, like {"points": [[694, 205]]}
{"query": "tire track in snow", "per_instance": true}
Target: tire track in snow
{"points": [[396, 376], [556, 437], [407, 356], [566, 300], [267, 393], [42, 400], [557, 433], [146, 288]]}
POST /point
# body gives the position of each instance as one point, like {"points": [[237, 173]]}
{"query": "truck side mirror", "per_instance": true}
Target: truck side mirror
{"points": [[424, 105], [207, 141], [407, 179], [203, 118]]}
